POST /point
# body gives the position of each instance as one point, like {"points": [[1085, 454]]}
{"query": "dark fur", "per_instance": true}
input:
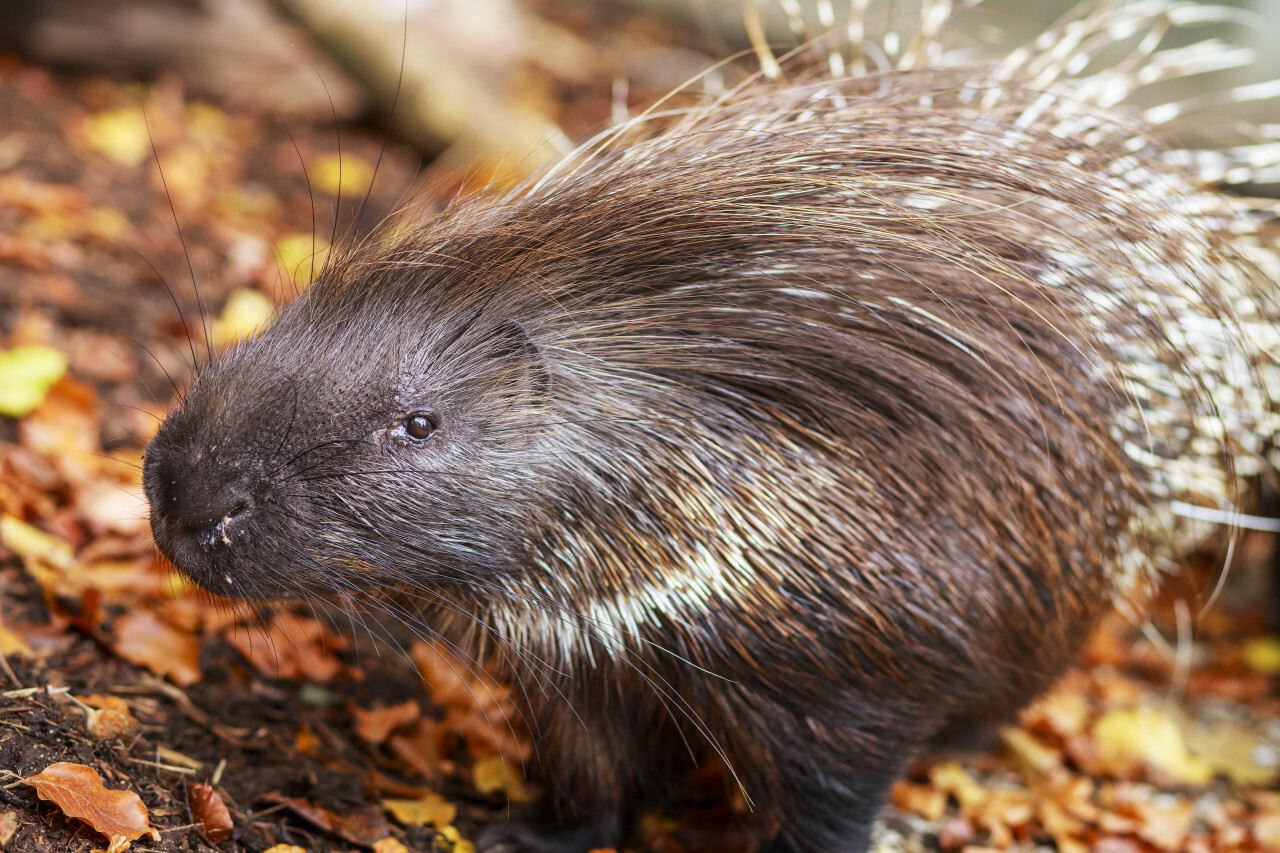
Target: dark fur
{"points": [[860, 455]]}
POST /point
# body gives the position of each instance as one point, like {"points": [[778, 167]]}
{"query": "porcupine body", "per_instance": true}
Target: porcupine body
{"points": [[813, 424]]}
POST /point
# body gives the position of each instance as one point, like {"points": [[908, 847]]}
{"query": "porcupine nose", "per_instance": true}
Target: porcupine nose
{"points": [[193, 503]]}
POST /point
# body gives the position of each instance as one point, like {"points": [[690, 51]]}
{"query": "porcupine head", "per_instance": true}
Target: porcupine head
{"points": [[813, 424]]}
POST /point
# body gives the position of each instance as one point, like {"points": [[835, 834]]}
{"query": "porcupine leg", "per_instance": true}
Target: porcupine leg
{"points": [[827, 764], [601, 762], [831, 806]]}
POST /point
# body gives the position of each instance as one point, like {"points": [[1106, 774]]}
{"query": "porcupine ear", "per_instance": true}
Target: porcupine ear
{"points": [[525, 372]]}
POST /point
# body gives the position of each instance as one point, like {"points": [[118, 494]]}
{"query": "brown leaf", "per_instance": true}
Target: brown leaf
{"points": [[928, 802], [111, 717], [142, 638], [290, 647], [8, 827], [211, 813], [79, 792], [13, 644], [361, 825], [1064, 711], [418, 745], [376, 724]]}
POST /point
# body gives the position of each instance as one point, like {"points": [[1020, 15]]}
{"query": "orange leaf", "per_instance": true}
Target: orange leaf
{"points": [[376, 724], [290, 647], [112, 718], [144, 639], [209, 810], [79, 792]]}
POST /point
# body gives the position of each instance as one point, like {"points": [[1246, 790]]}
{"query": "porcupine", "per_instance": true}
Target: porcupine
{"points": [[803, 427]]}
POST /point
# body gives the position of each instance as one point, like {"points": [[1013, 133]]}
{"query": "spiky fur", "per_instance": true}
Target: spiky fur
{"points": [[800, 427]]}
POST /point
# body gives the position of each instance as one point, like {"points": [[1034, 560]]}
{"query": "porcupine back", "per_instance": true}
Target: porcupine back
{"points": [[803, 424], [919, 195]]}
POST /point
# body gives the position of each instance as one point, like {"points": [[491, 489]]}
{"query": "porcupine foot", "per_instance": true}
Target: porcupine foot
{"points": [[519, 836], [835, 814]]}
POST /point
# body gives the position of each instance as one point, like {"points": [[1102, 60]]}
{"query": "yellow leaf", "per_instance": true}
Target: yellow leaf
{"points": [[29, 542], [348, 175], [12, 645], [207, 124], [107, 223], [1031, 755], [956, 781], [119, 134], [493, 774], [245, 312], [1153, 738], [302, 256], [1230, 749], [432, 809], [389, 845], [1262, 655], [26, 375]]}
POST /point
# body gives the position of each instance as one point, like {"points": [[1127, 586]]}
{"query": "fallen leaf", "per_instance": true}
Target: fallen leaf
{"points": [[924, 800], [346, 175], [389, 845], [244, 312], [376, 724], [33, 544], [8, 827], [142, 638], [26, 375], [289, 647], [460, 844], [211, 813], [1262, 654], [1166, 826], [418, 745], [120, 134], [494, 775], [120, 507], [1034, 758], [1266, 830], [1063, 827], [110, 717], [301, 256], [361, 825], [1063, 711], [1231, 749], [951, 778], [1115, 844], [79, 792], [1129, 738], [431, 809], [13, 645]]}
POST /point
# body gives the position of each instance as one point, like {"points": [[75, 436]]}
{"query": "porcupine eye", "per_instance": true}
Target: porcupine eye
{"points": [[420, 425]]}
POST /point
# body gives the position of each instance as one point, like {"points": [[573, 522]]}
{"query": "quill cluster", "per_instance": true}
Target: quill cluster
{"points": [[801, 428]]}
